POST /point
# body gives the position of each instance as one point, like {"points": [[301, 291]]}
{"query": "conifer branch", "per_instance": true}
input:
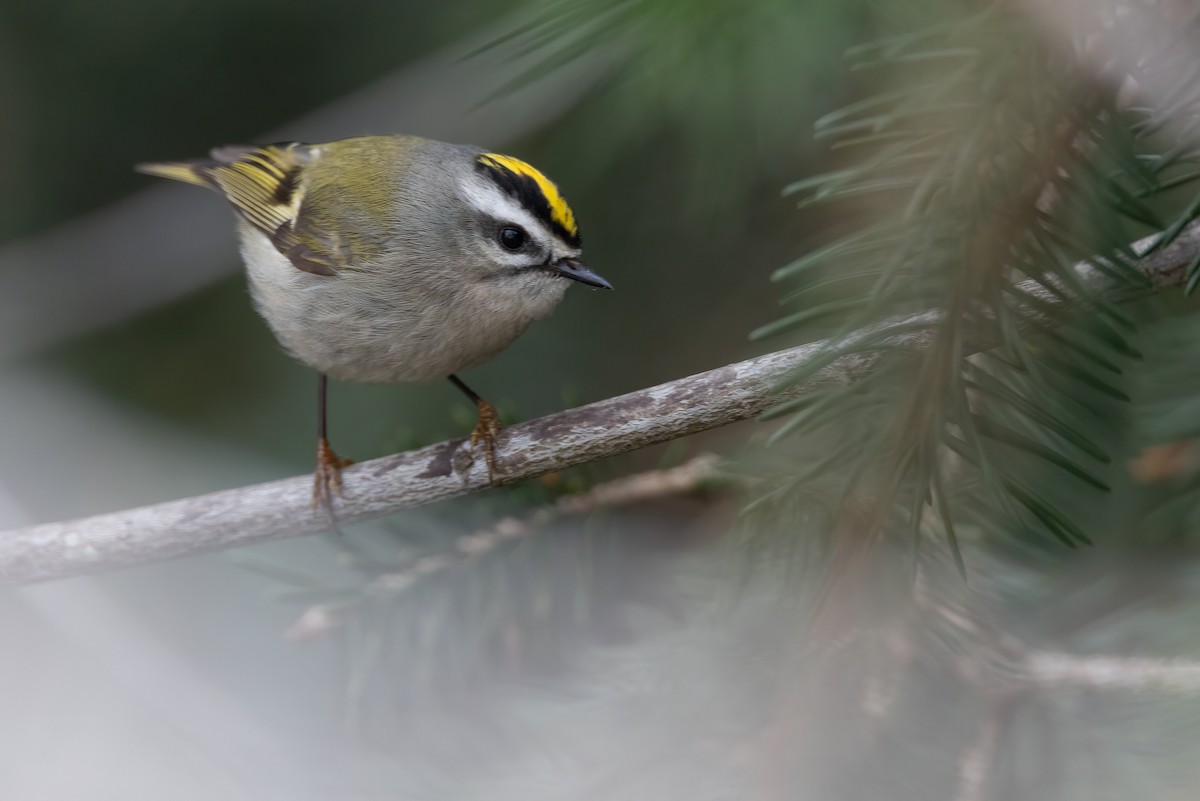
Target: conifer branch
{"points": [[379, 487]]}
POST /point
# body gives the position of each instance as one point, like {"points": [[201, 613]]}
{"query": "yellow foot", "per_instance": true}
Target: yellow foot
{"points": [[327, 480], [486, 431]]}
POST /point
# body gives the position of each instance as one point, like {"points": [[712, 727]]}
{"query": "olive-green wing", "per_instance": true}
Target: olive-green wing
{"points": [[265, 185]]}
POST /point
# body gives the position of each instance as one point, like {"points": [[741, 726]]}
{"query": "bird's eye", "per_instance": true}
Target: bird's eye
{"points": [[512, 237]]}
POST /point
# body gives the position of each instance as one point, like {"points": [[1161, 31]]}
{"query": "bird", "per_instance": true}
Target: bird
{"points": [[397, 258]]}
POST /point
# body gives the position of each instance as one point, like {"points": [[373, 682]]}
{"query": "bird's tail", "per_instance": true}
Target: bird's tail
{"points": [[189, 172]]}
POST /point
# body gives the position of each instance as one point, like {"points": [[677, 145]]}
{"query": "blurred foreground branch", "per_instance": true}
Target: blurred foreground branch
{"points": [[373, 489], [1046, 670], [691, 476], [1114, 672]]}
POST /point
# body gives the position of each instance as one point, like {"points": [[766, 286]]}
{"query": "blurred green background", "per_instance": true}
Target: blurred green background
{"points": [[134, 368], [675, 177]]}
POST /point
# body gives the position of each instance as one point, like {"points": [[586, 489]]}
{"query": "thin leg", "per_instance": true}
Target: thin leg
{"points": [[322, 392], [488, 427], [327, 479]]}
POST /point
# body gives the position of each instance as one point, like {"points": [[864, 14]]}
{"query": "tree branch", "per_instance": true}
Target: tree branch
{"points": [[280, 509]]}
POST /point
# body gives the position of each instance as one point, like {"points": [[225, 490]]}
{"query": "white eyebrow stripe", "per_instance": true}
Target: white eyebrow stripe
{"points": [[489, 199]]}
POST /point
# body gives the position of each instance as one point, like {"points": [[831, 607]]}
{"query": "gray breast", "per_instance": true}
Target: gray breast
{"points": [[364, 325]]}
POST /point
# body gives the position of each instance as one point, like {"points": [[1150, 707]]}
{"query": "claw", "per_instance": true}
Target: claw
{"points": [[486, 431], [327, 479]]}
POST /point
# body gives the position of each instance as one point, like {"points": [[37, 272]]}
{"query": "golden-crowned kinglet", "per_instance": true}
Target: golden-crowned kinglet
{"points": [[394, 258]]}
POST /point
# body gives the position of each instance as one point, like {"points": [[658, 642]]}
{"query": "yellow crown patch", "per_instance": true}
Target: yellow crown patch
{"points": [[560, 213]]}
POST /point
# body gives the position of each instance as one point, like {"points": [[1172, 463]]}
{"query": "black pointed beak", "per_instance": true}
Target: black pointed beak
{"points": [[577, 272]]}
